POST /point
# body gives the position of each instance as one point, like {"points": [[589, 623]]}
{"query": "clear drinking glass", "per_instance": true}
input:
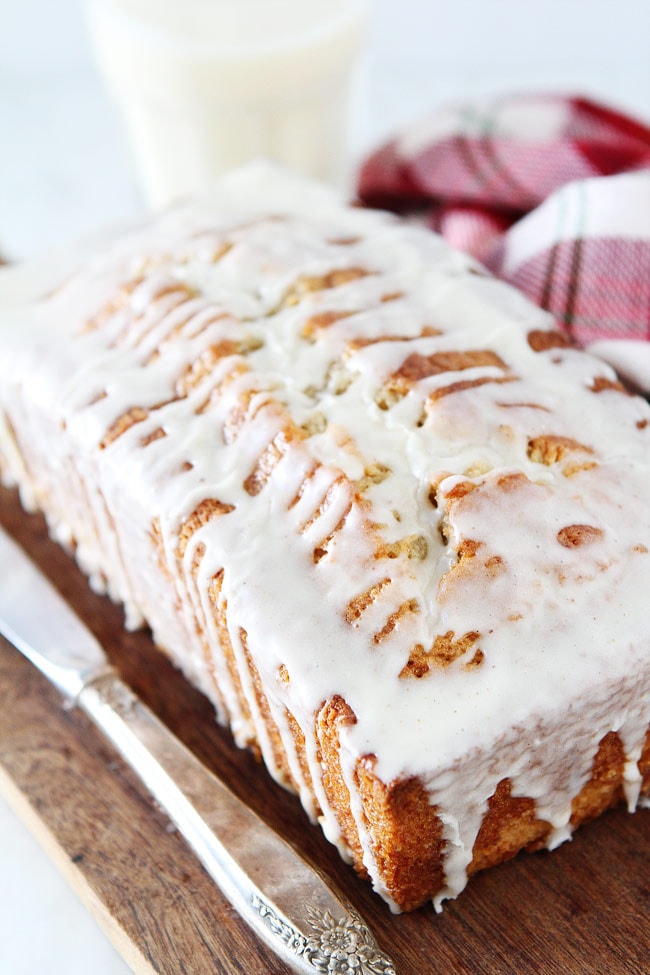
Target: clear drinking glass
{"points": [[205, 85]]}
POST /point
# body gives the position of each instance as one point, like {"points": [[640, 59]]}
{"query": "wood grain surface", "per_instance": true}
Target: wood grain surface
{"points": [[582, 910]]}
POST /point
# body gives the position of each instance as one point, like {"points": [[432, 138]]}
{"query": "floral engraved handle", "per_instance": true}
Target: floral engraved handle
{"points": [[344, 946], [305, 922]]}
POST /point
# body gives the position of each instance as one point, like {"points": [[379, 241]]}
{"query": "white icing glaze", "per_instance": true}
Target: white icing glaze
{"points": [[562, 625]]}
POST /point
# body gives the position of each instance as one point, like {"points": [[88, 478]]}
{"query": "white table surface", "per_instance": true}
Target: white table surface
{"points": [[65, 170]]}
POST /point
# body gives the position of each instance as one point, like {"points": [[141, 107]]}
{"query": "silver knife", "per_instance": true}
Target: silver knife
{"points": [[286, 901]]}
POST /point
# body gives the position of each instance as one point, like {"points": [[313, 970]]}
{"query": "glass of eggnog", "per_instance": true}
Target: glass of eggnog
{"points": [[205, 85]]}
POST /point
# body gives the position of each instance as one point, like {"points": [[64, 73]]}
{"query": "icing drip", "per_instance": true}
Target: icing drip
{"points": [[349, 458]]}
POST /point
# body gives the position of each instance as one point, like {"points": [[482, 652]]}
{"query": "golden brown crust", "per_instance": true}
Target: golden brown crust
{"points": [[280, 761], [407, 834], [510, 825], [219, 606], [549, 448], [445, 649], [332, 716], [572, 536], [541, 340], [300, 743]]}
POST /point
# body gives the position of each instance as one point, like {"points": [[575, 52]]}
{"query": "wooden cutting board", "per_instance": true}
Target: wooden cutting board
{"points": [[585, 908]]}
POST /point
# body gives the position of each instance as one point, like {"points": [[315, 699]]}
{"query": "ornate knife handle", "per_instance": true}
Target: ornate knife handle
{"points": [[286, 902]]}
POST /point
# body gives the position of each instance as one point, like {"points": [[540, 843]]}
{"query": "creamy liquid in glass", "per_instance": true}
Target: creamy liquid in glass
{"points": [[208, 84]]}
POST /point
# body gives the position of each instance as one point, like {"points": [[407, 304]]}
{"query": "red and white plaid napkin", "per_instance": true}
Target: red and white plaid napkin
{"points": [[552, 194]]}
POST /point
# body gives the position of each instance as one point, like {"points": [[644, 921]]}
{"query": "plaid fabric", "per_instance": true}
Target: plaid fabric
{"points": [[552, 194]]}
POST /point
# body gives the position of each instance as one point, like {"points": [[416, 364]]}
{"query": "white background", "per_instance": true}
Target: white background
{"points": [[65, 169]]}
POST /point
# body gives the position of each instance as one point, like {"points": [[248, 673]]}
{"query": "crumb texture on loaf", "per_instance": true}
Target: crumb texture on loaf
{"points": [[370, 501]]}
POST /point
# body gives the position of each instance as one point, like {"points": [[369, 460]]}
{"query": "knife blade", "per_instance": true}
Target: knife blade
{"points": [[287, 902]]}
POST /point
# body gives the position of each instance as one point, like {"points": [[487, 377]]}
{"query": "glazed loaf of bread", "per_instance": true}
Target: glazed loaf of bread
{"points": [[367, 498]]}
